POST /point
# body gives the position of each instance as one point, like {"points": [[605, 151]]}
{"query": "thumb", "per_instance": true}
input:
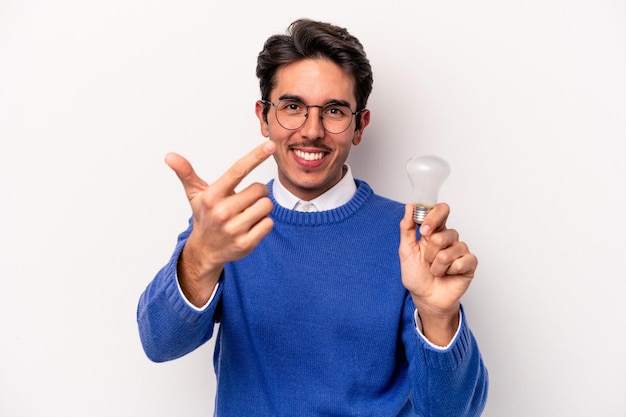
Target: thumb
{"points": [[192, 183], [408, 233]]}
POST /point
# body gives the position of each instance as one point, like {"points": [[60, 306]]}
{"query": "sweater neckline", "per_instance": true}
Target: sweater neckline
{"points": [[300, 218]]}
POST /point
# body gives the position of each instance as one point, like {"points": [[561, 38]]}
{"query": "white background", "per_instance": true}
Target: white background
{"points": [[525, 99]]}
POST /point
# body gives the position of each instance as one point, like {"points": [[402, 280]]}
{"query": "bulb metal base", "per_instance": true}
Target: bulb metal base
{"points": [[419, 212]]}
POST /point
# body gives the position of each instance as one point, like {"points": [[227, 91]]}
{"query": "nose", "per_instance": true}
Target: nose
{"points": [[313, 127]]}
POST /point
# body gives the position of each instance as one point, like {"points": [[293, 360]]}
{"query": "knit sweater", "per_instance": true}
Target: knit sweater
{"points": [[316, 322]]}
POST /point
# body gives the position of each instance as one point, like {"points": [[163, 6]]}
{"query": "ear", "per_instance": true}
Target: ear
{"points": [[365, 120], [258, 109]]}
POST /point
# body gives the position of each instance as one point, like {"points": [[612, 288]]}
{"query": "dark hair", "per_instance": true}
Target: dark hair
{"points": [[306, 38]]}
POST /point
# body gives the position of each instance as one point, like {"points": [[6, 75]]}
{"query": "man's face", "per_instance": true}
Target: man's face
{"points": [[310, 160]]}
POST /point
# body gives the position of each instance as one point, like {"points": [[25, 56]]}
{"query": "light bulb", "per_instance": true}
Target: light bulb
{"points": [[427, 174]]}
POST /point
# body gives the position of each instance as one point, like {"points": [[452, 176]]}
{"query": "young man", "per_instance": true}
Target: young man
{"points": [[329, 301]]}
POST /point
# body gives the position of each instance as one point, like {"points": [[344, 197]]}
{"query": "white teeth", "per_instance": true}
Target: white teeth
{"points": [[308, 156]]}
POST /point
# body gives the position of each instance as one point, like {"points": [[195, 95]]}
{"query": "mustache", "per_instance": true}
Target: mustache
{"points": [[310, 145]]}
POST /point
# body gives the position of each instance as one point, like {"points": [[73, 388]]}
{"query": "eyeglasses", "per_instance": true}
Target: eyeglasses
{"points": [[292, 114]]}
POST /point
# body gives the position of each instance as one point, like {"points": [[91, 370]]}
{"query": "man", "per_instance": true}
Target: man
{"points": [[329, 301]]}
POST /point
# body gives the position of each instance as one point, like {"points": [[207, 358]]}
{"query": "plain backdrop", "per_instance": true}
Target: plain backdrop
{"points": [[525, 99]]}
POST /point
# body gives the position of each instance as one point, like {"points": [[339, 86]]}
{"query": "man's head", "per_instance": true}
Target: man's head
{"points": [[311, 39], [315, 82]]}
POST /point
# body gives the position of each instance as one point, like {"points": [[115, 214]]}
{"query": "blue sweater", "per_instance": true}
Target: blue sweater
{"points": [[316, 322]]}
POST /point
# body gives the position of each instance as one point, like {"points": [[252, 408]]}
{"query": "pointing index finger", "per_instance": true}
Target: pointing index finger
{"points": [[240, 169]]}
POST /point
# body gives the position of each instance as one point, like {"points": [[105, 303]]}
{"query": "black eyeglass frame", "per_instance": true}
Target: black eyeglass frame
{"points": [[306, 115]]}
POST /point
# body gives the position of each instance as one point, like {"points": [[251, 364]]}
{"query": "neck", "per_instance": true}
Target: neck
{"points": [[308, 194]]}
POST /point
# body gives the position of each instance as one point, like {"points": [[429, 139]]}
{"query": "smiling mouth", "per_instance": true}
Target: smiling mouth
{"points": [[309, 156]]}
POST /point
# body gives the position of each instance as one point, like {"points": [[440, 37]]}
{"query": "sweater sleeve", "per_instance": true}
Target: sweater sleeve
{"points": [[447, 382], [168, 326]]}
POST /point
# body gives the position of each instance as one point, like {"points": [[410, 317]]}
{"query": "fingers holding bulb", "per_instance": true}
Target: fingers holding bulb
{"points": [[436, 219], [454, 260], [441, 246], [438, 246]]}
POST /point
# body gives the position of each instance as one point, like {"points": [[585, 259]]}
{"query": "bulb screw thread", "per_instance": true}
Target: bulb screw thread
{"points": [[419, 213]]}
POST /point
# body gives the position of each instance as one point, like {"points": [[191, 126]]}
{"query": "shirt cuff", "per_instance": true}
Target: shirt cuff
{"points": [[420, 329], [199, 309]]}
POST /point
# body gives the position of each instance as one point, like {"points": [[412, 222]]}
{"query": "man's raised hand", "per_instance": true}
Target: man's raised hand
{"points": [[227, 225]]}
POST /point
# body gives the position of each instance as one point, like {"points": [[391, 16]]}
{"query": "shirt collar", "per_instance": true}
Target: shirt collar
{"points": [[337, 196]]}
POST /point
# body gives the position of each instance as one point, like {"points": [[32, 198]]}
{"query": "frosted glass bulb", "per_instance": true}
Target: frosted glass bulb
{"points": [[427, 174]]}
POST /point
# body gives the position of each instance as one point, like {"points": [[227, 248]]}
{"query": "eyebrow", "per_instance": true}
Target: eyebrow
{"points": [[292, 97]]}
